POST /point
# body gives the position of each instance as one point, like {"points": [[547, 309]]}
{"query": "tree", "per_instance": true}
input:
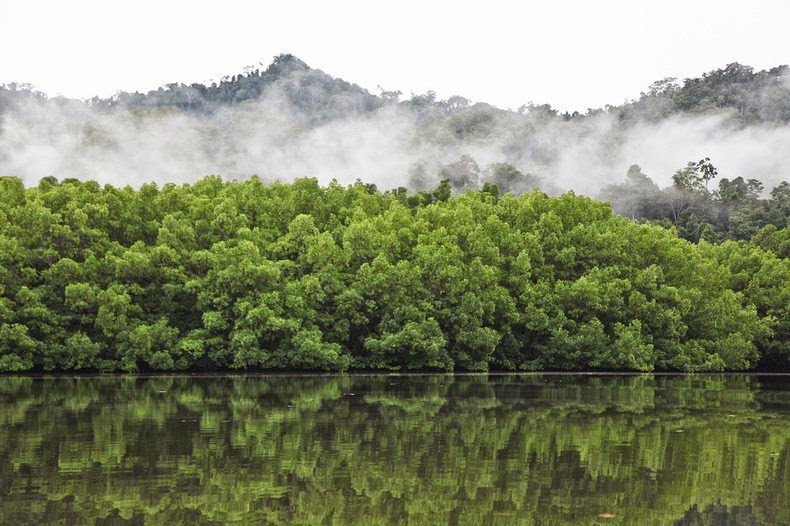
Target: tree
{"points": [[463, 174], [509, 179], [695, 176], [636, 197]]}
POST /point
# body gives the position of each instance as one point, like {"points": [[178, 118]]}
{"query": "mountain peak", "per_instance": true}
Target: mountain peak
{"points": [[286, 63]]}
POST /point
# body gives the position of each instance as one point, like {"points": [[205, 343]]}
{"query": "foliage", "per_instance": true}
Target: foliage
{"points": [[246, 275], [736, 210]]}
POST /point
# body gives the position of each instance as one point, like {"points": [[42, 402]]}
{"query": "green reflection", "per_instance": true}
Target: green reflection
{"points": [[396, 449]]}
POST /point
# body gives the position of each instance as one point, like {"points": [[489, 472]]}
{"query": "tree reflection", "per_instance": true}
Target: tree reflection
{"points": [[394, 449]]}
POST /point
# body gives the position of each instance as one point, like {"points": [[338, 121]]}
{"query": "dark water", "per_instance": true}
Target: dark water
{"points": [[542, 450]]}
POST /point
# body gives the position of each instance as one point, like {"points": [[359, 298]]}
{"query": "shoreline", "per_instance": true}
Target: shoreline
{"points": [[229, 374]]}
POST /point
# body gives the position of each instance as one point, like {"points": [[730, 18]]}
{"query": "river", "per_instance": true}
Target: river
{"points": [[396, 449]]}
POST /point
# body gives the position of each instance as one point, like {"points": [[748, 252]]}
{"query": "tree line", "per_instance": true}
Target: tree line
{"points": [[738, 209], [750, 96], [250, 275]]}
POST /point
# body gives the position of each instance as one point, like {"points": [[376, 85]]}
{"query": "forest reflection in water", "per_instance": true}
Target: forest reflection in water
{"points": [[390, 449]]}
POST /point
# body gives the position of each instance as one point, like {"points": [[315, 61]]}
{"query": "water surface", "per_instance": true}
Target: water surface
{"points": [[509, 449]]}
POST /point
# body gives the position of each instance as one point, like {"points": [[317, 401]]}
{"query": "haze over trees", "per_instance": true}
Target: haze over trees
{"points": [[288, 120], [445, 254], [738, 209], [250, 275]]}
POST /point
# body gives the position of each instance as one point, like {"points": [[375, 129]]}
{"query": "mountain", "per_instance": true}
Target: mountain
{"points": [[751, 96], [290, 120], [311, 90], [754, 96]]}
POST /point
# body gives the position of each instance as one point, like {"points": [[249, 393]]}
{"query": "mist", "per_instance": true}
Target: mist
{"points": [[277, 139]]}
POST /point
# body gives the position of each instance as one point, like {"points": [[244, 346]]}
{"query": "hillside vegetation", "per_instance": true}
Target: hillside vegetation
{"points": [[753, 96], [288, 120]]}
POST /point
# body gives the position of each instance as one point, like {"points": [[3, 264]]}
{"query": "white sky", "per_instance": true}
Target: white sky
{"points": [[572, 54]]}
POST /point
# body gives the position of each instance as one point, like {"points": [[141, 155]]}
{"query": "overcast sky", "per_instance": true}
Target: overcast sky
{"points": [[572, 54]]}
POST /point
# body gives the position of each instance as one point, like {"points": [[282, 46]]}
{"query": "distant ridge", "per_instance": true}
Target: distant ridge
{"points": [[752, 96]]}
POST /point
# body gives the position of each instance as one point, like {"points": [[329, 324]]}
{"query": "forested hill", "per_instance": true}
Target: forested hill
{"points": [[288, 120], [316, 94], [752, 96], [248, 275], [118, 254]]}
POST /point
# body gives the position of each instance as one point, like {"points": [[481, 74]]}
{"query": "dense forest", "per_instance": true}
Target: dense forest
{"points": [[451, 255], [251, 275]]}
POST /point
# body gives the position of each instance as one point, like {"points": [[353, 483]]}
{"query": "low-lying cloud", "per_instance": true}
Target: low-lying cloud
{"points": [[275, 139]]}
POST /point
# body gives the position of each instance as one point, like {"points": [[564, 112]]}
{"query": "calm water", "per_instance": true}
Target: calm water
{"points": [[370, 450]]}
